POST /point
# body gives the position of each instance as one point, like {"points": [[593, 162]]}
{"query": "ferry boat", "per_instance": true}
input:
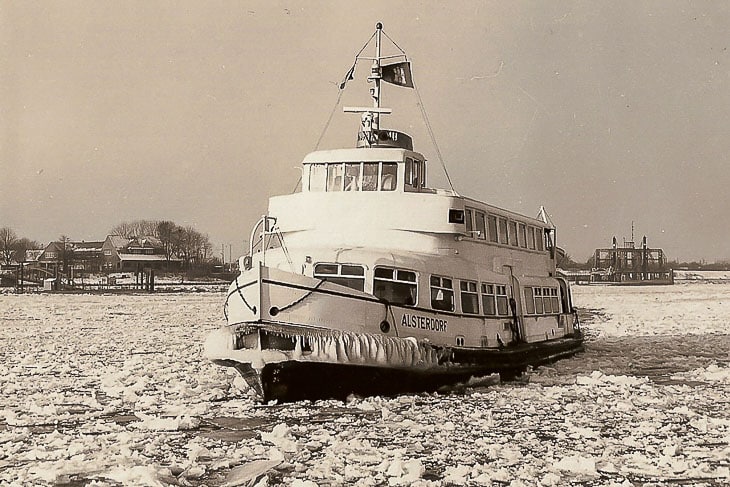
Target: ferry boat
{"points": [[368, 281]]}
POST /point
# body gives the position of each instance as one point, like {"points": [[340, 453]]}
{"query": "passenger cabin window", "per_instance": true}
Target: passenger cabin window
{"points": [[481, 227], [492, 222], [469, 297], [542, 300], [349, 275], [523, 235], [494, 299], [397, 286], [442, 293], [513, 233], [503, 231], [531, 237], [468, 221]]}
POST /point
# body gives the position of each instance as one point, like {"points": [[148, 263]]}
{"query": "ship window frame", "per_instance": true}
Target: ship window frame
{"points": [[494, 299], [513, 233], [531, 237], [442, 293], [372, 184], [393, 175], [480, 221], [489, 301], [333, 184], [469, 297], [469, 222], [401, 280], [351, 182], [315, 171], [501, 298], [545, 301], [340, 275], [522, 232], [493, 231], [529, 300], [539, 239], [412, 175], [502, 229]]}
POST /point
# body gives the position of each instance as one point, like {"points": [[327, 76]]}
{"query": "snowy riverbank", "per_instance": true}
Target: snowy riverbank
{"points": [[112, 390]]}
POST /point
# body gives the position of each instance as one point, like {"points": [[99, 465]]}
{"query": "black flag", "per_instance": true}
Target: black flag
{"points": [[398, 74]]}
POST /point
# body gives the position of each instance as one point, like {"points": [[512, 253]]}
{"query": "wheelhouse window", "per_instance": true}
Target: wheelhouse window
{"points": [[352, 176], [317, 177], [481, 227], [397, 286], [334, 177], [350, 275], [492, 223], [355, 176], [413, 173], [539, 239], [469, 297], [388, 178], [442, 293], [370, 176]]}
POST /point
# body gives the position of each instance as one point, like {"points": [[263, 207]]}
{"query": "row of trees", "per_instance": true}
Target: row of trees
{"points": [[181, 242], [178, 242]]}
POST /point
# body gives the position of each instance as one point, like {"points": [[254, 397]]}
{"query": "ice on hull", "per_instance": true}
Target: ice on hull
{"points": [[337, 364]]}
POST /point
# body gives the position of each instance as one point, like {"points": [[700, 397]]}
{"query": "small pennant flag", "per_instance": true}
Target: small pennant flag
{"points": [[350, 75]]}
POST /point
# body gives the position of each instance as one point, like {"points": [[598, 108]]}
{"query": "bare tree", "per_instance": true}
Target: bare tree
{"points": [[22, 245], [136, 228], [66, 251], [8, 238]]}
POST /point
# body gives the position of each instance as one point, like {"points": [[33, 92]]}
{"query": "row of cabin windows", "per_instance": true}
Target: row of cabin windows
{"points": [[400, 287], [353, 176], [541, 300], [497, 229]]}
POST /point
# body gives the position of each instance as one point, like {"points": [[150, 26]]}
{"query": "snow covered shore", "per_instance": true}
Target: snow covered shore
{"points": [[113, 390]]}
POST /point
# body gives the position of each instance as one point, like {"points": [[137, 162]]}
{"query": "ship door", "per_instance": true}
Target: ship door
{"points": [[515, 307]]}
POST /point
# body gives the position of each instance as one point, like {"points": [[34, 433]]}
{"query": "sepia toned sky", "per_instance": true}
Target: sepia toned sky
{"points": [[197, 112]]}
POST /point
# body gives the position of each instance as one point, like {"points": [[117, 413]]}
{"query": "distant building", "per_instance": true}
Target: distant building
{"points": [[122, 254], [81, 256], [631, 265]]}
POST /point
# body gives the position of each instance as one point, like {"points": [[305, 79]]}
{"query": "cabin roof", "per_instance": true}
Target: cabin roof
{"points": [[369, 154]]}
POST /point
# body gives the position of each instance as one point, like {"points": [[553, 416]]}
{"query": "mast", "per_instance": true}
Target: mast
{"points": [[376, 76]]}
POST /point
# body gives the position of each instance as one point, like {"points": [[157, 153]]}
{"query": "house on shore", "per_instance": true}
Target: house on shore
{"points": [[121, 254], [71, 256]]}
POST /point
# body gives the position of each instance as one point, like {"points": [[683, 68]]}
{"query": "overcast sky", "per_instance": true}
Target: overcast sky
{"points": [[197, 112]]}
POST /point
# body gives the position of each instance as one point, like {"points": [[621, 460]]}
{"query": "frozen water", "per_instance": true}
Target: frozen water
{"points": [[115, 390]]}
